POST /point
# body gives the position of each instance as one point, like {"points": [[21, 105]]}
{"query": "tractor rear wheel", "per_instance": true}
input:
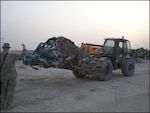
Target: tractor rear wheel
{"points": [[128, 67], [105, 70]]}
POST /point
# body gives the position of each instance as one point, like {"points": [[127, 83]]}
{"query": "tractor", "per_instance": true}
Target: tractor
{"points": [[60, 52]]}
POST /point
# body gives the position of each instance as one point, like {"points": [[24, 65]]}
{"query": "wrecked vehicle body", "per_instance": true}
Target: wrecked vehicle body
{"points": [[61, 52]]}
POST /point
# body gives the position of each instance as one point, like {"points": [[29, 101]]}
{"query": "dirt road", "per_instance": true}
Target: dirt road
{"points": [[57, 90]]}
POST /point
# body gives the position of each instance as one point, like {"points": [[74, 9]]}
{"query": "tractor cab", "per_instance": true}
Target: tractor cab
{"points": [[117, 49]]}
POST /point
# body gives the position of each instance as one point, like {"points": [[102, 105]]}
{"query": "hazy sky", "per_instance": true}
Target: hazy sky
{"points": [[32, 22]]}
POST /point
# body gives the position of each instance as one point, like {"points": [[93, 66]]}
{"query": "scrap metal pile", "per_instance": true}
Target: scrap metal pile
{"points": [[141, 53], [63, 53]]}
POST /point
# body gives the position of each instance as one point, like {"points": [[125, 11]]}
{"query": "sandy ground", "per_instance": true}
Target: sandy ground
{"points": [[58, 90]]}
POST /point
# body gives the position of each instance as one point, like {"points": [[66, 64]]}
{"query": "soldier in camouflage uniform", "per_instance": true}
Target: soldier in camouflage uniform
{"points": [[8, 75], [118, 52]]}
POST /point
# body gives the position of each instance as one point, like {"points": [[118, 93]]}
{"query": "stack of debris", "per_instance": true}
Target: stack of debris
{"points": [[141, 53]]}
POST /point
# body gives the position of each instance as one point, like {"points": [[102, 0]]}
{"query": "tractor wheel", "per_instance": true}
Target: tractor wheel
{"points": [[77, 74], [105, 70], [128, 67]]}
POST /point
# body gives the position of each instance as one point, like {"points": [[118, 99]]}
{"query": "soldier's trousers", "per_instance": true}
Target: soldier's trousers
{"points": [[7, 92]]}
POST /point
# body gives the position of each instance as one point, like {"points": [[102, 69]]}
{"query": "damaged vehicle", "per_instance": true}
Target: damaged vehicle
{"points": [[60, 52]]}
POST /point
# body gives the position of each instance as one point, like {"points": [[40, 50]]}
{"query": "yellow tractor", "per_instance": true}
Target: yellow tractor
{"points": [[118, 50]]}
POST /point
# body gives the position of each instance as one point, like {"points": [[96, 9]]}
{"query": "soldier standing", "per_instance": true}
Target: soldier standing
{"points": [[8, 75]]}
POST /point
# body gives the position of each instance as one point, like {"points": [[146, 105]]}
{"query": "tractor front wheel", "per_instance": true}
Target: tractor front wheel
{"points": [[128, 67], [105, 69]]}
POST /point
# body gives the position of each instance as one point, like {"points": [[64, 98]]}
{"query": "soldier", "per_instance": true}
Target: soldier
{"points": [[8, 75], [118, 52]]}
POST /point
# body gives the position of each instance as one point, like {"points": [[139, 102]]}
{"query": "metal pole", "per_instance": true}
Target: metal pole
{"points": [[1, 43]]}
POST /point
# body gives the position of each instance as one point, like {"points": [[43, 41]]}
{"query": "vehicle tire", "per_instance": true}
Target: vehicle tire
{"points": [[105, 72], [77, 74], [128, 67]]}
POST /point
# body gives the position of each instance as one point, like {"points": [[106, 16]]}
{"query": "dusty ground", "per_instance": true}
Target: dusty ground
{"points": [[57, 90]]}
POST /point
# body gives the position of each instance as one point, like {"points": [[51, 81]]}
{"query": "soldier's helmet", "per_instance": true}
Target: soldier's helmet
{"points": [[6, 45]]}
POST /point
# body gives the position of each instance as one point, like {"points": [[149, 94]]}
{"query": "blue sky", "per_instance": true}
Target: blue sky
{"points": [[32, 22]]}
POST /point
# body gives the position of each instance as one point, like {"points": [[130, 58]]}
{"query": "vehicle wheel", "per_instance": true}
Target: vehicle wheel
{"points": [[128, 67], [77, 74], [105, 70]]}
